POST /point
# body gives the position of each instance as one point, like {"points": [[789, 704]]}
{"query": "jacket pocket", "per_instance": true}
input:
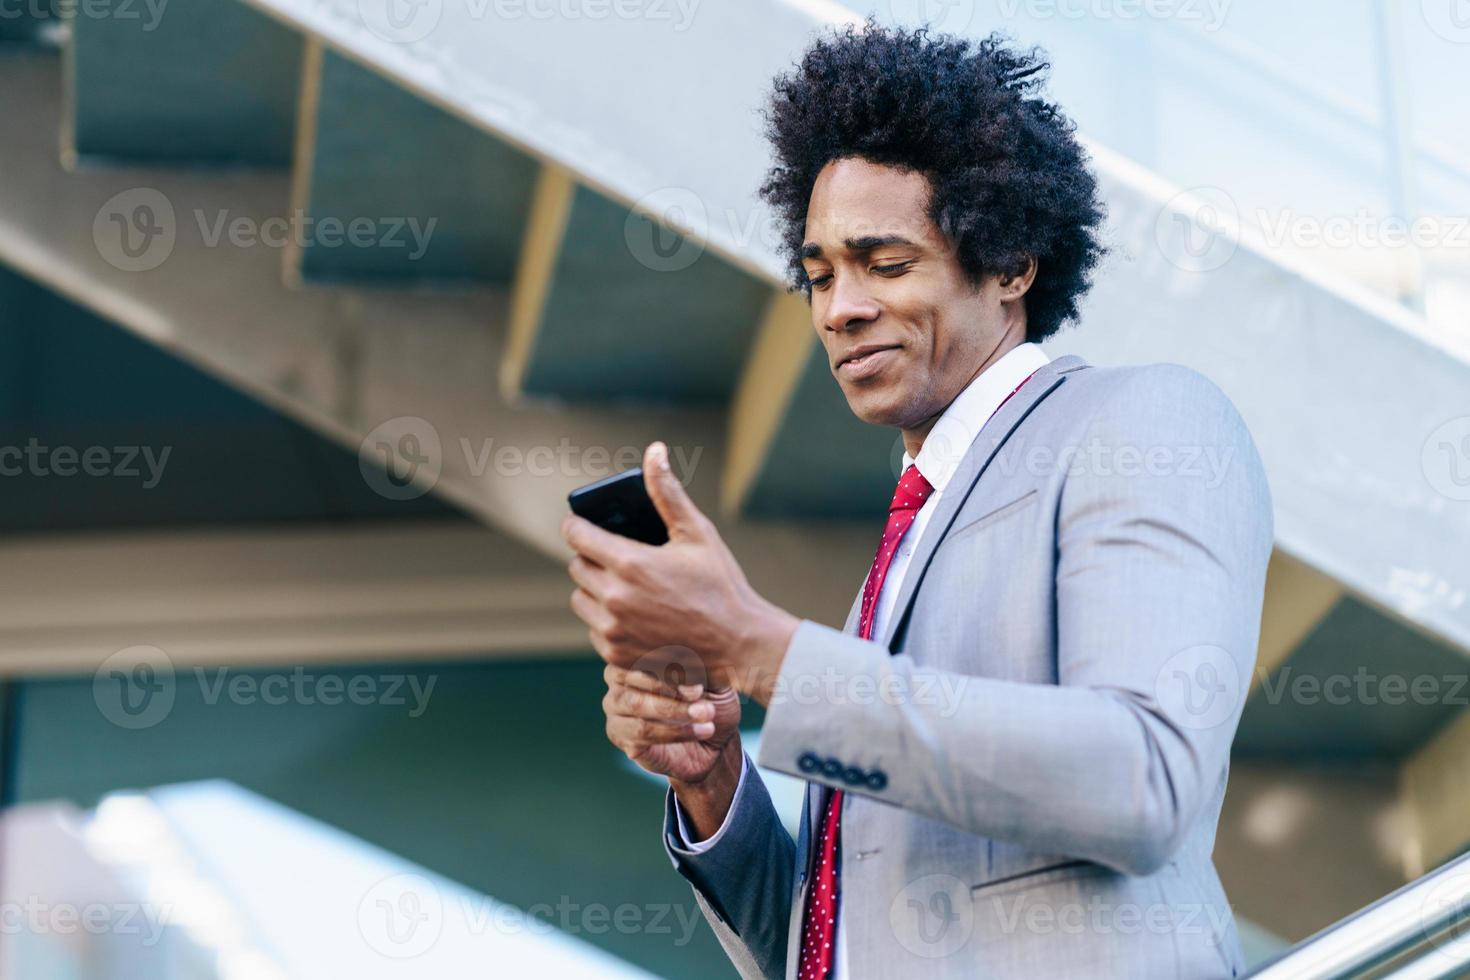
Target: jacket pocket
{"points": [[1043, 875], [991, 517]]}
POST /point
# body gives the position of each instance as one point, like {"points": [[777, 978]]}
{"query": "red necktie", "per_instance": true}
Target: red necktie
{"points": [[819, 921]]}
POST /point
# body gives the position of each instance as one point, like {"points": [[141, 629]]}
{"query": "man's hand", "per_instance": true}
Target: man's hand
{"points": [[682, 732], [679, 732], [685, 598]]}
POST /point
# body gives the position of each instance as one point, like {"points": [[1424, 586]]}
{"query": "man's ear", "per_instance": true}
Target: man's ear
{"points": [[1015, 282]]}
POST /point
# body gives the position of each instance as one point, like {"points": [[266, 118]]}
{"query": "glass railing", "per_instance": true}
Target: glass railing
{"points": [[1416, 933]]}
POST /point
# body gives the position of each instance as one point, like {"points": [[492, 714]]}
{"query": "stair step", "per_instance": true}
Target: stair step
{"points": [[372, 150], [205, 82], [613, 306]]}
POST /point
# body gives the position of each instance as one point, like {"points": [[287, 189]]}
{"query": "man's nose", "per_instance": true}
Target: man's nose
{"points": [[851, 305]]}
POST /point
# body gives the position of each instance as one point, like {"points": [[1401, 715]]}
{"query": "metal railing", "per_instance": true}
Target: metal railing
{"points": [[1411, 934]]}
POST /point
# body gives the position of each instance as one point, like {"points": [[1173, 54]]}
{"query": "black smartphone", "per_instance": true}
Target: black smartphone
{"points": [[620, 504]]}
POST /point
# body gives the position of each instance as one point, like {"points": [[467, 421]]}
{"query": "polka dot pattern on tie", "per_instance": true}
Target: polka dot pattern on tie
{"points": [[819, 922]]}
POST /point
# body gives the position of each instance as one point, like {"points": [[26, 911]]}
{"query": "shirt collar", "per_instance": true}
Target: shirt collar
{"points": [[952, 436]]}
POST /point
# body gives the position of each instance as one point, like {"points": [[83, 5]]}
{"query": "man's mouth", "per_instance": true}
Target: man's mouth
{"points": [[864, 362]]}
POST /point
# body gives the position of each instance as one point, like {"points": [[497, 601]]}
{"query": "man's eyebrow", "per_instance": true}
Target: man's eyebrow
{"points": [[865, 243]]}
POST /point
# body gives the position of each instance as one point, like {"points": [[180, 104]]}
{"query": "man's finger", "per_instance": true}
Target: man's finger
{"points": [[603, 547], [592, 577], [656, 707], [590, 611], [628, 732], [669, 496], [644, 680]]}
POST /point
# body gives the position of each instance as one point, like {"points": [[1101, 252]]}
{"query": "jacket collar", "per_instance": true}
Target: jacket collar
{"points": [[954, 432]]}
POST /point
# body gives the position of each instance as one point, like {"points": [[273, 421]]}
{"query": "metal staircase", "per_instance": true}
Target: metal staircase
{"points": [[471, 240]]}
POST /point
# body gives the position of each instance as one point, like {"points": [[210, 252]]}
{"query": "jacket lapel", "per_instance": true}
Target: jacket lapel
{"points": [[992, 436], [968, 472]]}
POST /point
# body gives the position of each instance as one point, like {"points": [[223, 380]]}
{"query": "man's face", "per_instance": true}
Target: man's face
{"points": [[886, 283]]}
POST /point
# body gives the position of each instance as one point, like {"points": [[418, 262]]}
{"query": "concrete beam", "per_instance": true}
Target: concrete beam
{"points": [[410, 370], [247, 597]]}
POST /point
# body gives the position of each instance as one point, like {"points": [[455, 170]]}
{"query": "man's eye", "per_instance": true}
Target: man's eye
{"points": [[890, 270], [819, 281]]}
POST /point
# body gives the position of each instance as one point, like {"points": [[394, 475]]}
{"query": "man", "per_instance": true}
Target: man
{"points": [[1017, 747]]}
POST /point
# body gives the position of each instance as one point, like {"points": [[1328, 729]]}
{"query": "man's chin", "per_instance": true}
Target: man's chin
{"points": [[886, 411]]}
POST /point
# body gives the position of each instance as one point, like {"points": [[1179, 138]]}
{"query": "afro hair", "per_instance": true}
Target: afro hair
{"points": [[1007, 175]]}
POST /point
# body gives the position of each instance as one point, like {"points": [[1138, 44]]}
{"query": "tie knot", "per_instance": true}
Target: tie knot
{"points": [[912, 490]]}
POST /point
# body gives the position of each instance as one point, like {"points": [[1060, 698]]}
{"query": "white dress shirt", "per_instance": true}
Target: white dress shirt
{"points": [[944, 447]]}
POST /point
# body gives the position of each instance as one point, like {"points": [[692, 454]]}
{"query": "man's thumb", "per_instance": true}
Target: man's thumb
{"points": [[668, 494]]}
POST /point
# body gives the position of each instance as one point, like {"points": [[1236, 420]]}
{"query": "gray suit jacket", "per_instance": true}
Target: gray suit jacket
{"points": [[1035, 753]]}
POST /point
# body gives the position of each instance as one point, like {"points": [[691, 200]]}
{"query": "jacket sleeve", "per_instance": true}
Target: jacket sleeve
{"points": [[1159, 584], [743, 882]]}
